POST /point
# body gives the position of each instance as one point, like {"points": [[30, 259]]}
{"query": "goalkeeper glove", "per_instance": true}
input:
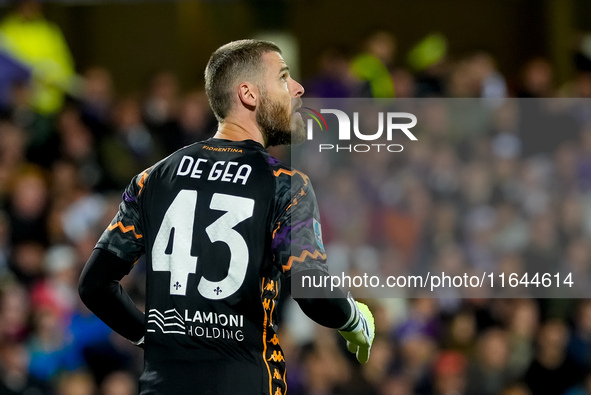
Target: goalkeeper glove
{"points": [[360, 331]]}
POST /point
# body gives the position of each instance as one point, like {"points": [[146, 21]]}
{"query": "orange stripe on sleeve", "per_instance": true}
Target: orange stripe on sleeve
{"points": [[142, 180], [125, 229], [317, 254], [276, 229], [277, 173]]}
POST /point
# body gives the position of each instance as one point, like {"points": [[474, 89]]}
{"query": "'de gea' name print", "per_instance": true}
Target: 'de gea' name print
{"points": [[388, 123]]}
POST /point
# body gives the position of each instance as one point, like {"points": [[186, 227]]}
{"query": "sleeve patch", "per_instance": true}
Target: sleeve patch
{"points": [[318, 233]]}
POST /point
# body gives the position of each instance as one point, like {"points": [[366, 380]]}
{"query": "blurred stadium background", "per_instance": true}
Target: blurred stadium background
{"points": [[93, 92]]}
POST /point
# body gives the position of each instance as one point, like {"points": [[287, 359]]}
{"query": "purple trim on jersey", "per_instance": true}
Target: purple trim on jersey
{"points": [[273, 161], [281, 234], [280, 237], [127, 197]]}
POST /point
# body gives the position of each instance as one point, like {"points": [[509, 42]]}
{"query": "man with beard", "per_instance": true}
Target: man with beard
{"points": [[216, 221]]}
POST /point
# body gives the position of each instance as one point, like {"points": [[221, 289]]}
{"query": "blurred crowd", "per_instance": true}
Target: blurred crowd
{"points": [[501, 197], [495, 183], [490, 186]]}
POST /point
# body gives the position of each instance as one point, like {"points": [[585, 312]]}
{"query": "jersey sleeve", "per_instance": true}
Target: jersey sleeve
{"points": [[124, 236], [297, 235]]}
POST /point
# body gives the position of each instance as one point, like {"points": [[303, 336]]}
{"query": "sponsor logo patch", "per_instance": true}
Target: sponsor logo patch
{"points": [[318, 233]]}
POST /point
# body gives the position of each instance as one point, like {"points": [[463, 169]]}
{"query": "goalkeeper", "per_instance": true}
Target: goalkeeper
{"points": [[219, 223]]}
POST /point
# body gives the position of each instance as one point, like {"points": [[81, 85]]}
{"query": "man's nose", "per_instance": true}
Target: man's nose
{"points": [[297, 89]]}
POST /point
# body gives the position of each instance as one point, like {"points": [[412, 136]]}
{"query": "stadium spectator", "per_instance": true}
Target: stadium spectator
{"points": [[39, 44], [373, 65]]}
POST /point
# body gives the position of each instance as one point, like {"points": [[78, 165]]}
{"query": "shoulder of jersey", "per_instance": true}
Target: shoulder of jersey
{"points": [[176, 154], [142, 178], [284, 172]]}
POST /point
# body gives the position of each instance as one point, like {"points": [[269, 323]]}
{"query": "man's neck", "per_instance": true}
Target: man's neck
{"points": [[231, 130]]}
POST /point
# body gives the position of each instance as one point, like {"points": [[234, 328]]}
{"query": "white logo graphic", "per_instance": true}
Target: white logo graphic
{"points": [[392, 124], [169, 322], [318, 233]]}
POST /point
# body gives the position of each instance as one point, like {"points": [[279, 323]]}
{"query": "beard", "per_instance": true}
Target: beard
{"points": [[278, 124]]}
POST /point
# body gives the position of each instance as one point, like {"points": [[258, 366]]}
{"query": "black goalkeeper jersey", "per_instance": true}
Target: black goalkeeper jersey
{"points": [[219, 222]]}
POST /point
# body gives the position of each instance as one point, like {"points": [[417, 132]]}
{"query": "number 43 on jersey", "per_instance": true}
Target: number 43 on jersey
{"points": [[179, 220]]}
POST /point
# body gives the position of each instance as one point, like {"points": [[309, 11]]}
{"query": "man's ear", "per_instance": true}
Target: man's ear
{"points": [[248, 93]]}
